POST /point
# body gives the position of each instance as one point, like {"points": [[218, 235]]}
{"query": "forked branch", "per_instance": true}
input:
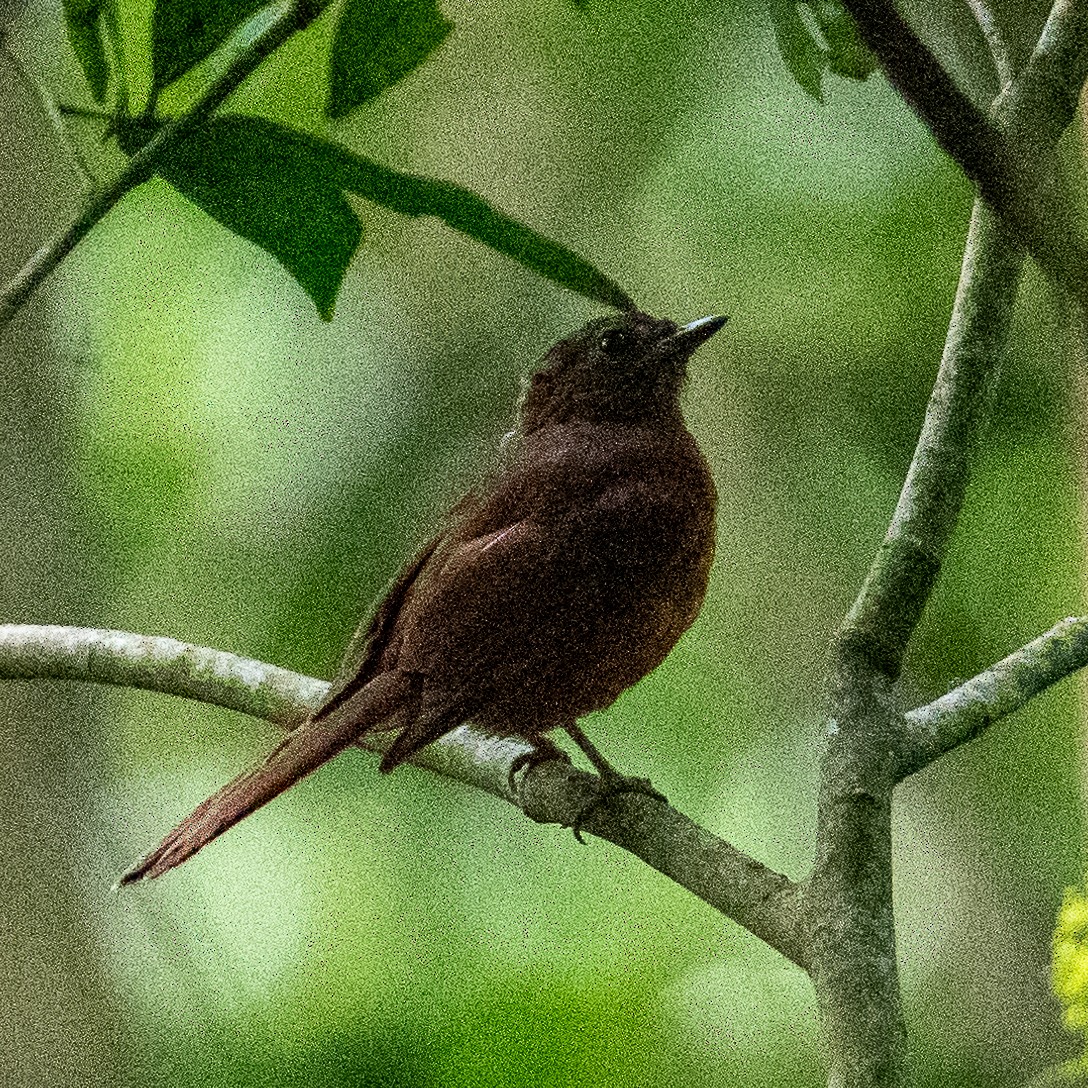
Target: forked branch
{"points": [[870, 745], [970, 709]]}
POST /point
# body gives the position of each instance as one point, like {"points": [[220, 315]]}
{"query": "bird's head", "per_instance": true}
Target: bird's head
{"points": [[626, 368]]}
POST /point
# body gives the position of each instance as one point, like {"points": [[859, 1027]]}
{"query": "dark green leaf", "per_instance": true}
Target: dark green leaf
{"points": [[258, 178], [472, 215], [847, 54], [464, 211], [378, 42], [261, 183], [184, 32], [803, 55], [133, 132], [86, 33]]}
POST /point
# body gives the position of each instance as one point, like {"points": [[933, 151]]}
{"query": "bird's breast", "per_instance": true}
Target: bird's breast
{"points": [[632, 513]]}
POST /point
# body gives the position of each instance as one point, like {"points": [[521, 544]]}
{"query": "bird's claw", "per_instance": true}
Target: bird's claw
{"points": [[611, 786], [543, 751]]}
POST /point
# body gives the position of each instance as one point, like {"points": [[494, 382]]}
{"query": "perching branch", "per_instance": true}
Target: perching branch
{"points": [[969, 710], [766, 903], [296, 16]]}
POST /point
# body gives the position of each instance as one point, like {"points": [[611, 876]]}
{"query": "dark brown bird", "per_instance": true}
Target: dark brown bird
{"points": [[556, 586]]}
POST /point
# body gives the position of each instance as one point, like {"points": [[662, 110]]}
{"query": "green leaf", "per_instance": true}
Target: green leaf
{"points": [[847, 54], [184, 32], [262, 180], [840, 51], [261, 183], [86, 32], [464, 211], [377, 43], [802, 53], [470, 214]]}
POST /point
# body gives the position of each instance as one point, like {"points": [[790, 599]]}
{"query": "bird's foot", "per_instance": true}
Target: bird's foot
{"points": [[543, 751], [612, 784]]}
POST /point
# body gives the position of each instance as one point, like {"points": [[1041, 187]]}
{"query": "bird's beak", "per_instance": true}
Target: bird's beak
{"points": [[688, 337]]}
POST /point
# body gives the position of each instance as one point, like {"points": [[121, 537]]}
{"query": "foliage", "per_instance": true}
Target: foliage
{"points": [[1069, 968], [378, 44], [86, 32], [827, 41], [1069, 978], [284, 190]]}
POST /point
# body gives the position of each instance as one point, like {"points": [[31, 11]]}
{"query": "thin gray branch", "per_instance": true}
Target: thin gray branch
{"points": [[880, 624], [1000, 51], [1038, 105], [967, 711], [766, 903], [49, 108], [296, 16], [849, 900], [154, 663]]}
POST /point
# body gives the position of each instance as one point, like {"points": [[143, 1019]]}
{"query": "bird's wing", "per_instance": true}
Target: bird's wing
{"points": [[464, 626], [528, 584], [362, 658], [531, 555]]}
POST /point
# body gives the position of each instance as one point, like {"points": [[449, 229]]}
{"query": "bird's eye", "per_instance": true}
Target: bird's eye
{"points": [[615, 342]]}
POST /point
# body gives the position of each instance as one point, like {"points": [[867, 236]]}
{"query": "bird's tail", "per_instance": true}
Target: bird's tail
{"points": [[315, 741]]}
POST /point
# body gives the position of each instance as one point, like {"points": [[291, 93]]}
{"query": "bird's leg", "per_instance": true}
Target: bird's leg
{"points": [[612, 782], [543, 749]]}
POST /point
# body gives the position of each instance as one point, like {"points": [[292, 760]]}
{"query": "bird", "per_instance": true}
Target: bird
{"points": [[563, 579]]}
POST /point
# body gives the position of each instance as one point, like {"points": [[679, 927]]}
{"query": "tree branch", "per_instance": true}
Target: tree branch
{"points": [[52, 113], [298, 15], [1038, 105], [766, 903], [848, 902], [882, 620], [1000, 50], [969, 710], [1009, 177]]}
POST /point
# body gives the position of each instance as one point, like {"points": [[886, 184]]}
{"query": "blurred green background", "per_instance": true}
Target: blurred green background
{"points": [[186, 449]]}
